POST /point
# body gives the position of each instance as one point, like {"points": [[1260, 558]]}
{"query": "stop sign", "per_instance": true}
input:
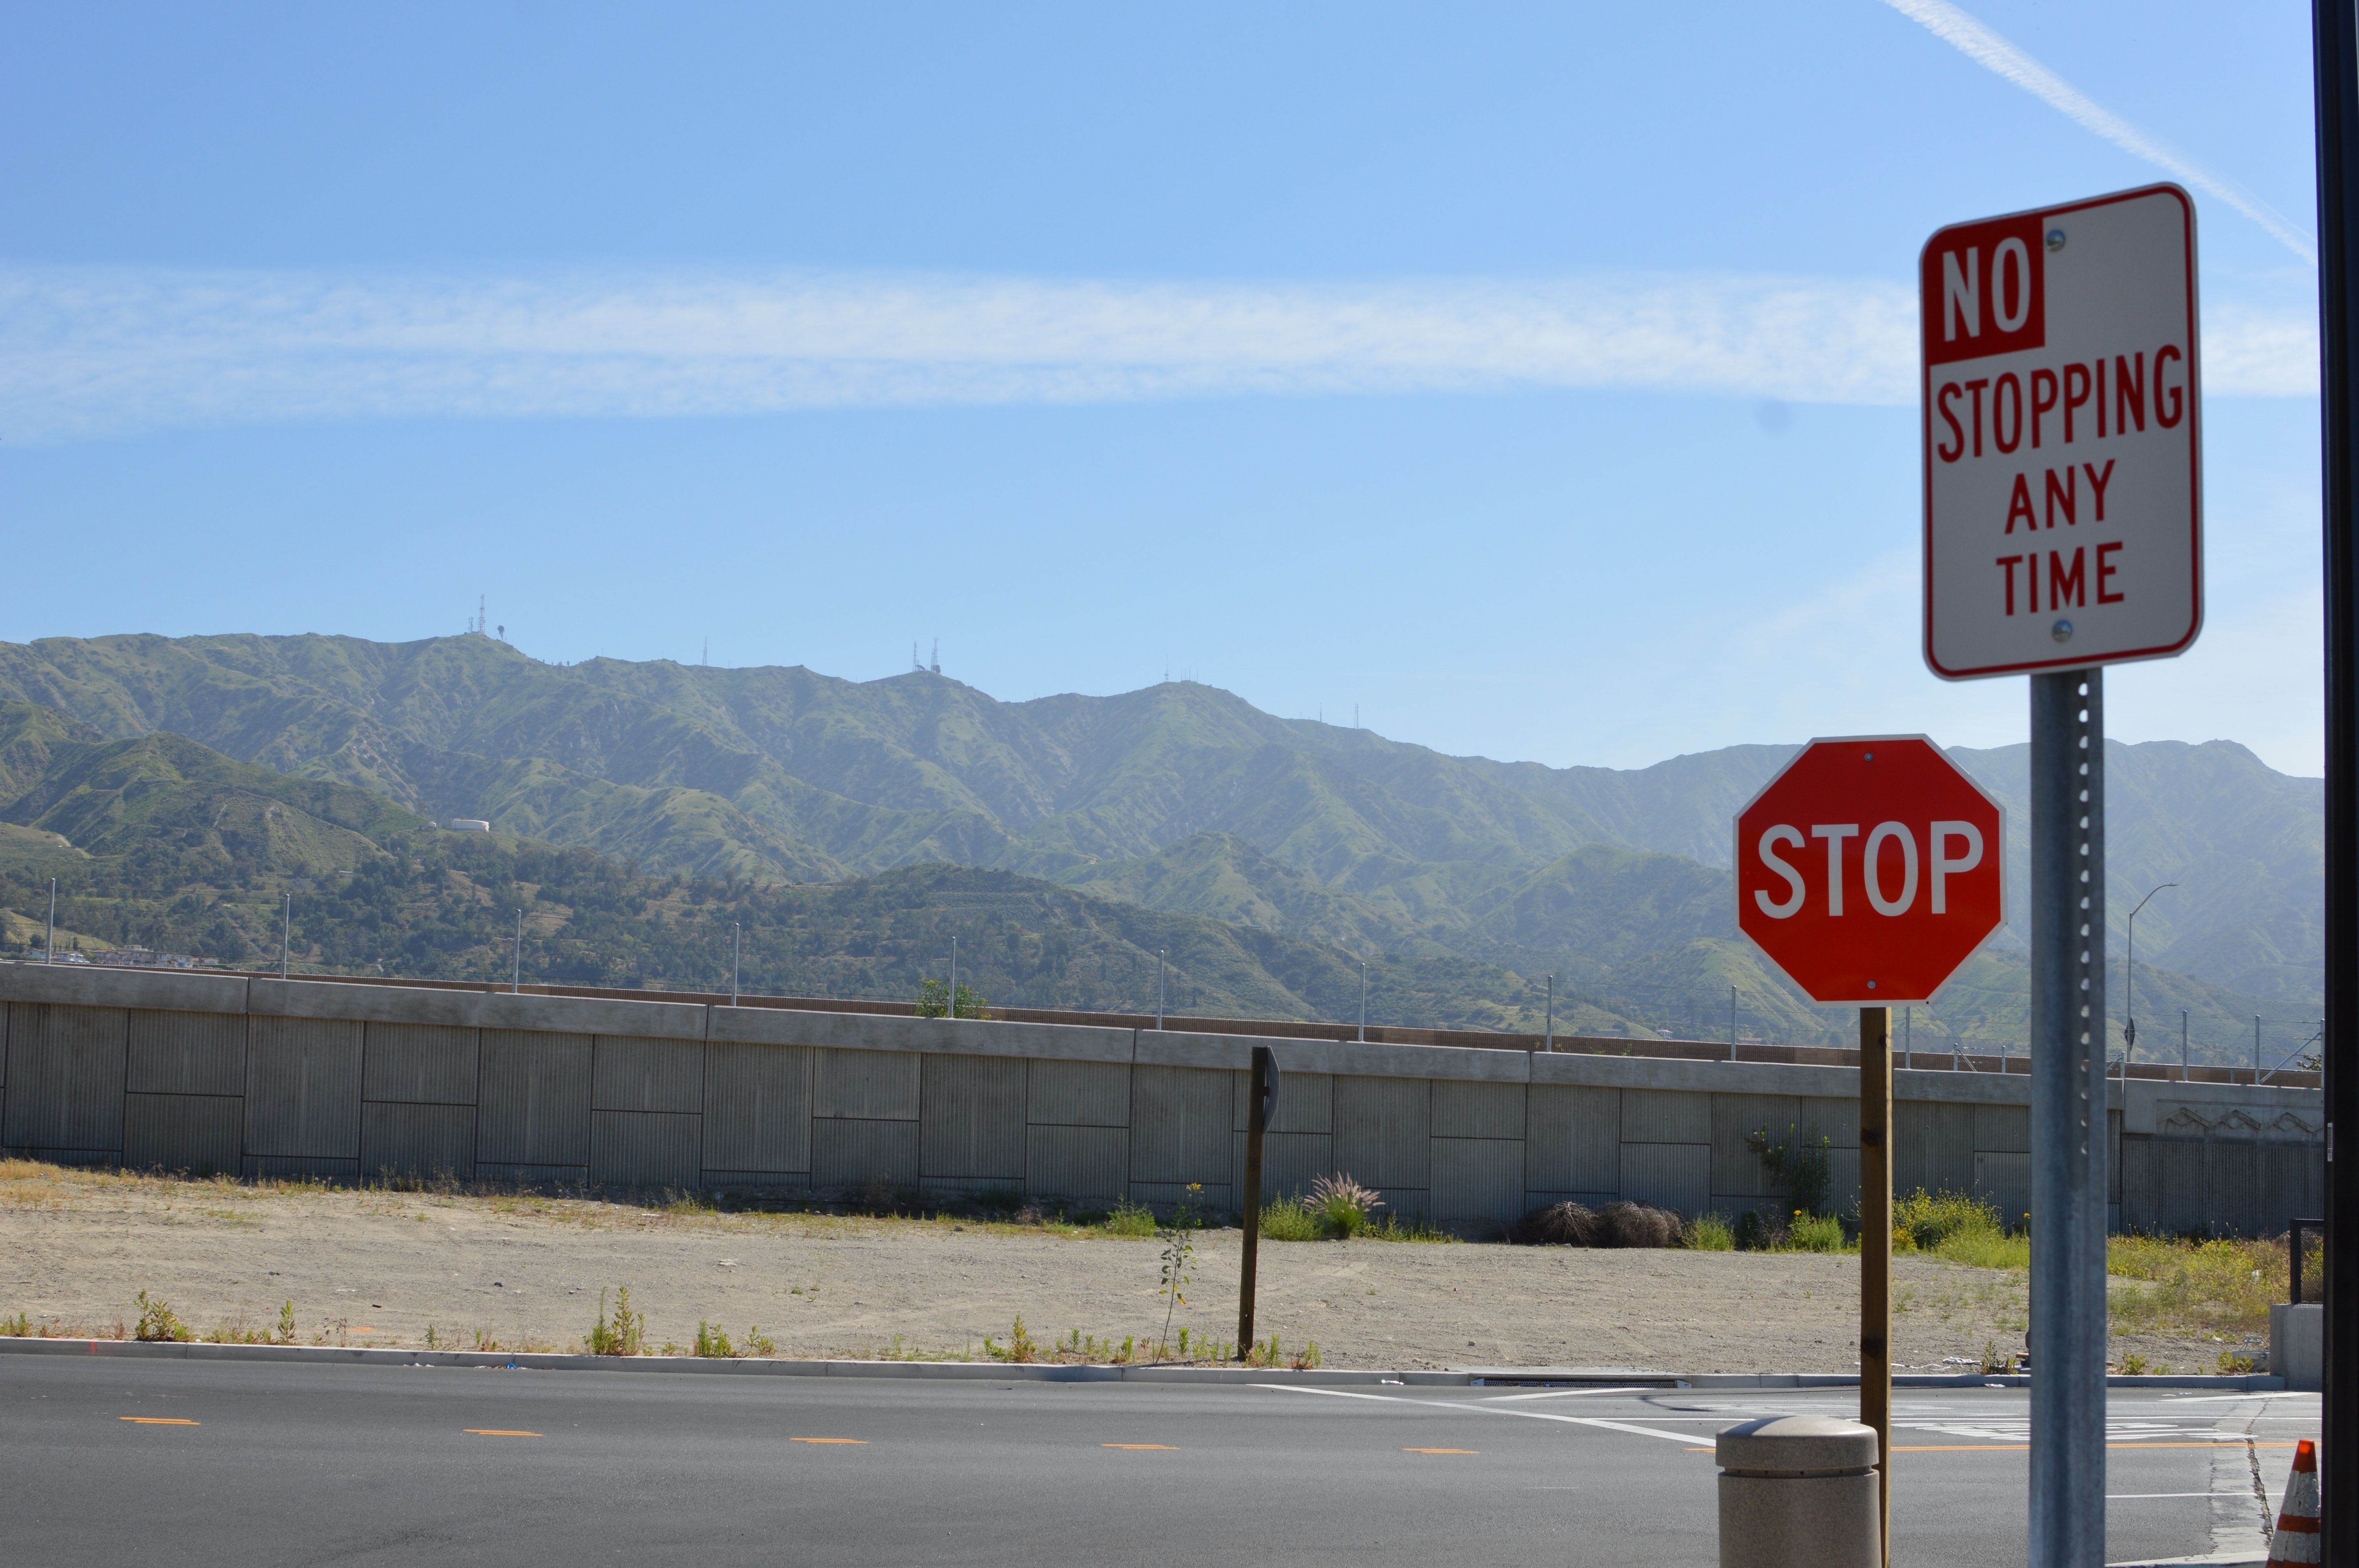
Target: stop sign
{"points": [[1869, 870]]}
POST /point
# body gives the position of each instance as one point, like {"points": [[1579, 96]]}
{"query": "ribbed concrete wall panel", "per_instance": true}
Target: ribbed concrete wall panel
{"points": [[1932, 1148], [187, 1053], [1666, 1115], [646, 1148], [1077, 1093], [2114, 1155], [2003, 1181], [415, 1140], [851, 1153], [1478, 1180], [1179, 1124], [867, 1085], [2136, 1168], [758, 1102], [2001, 1130], [971, 1119], [1384, 1131], [196, 1133], [2181, 1176], [1405, 1203], [1735, 1118], [264, 1166], [1536, 1199], [1835, 1118], [533, 1176], [1306, 1102], [1290, 1162], [1462, 1110], [535, 1109], [1573, 1139], [421, 1063], [1669, 1176], [630, 1073], [1091, 1164], [66, 1071], [776, 1181], [1843, 1180], [303, 1091]]}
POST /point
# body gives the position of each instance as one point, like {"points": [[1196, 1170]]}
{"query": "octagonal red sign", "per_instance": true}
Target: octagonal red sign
{"points": [[1870, 869]]}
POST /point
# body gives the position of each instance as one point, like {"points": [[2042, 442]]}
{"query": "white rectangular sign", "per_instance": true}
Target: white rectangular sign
{"points": [[2063, 455]]}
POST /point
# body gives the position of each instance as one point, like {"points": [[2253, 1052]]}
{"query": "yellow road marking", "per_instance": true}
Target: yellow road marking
{"points": [[1164, 1447], [157, 1420], [854, 1441], [495, 1431], [1442, 1451]]}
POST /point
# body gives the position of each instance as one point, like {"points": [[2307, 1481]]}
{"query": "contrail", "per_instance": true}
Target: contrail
{"points": [[1970, 38]]}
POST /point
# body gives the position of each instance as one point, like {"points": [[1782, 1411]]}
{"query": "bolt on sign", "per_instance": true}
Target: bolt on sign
{"points": [[1870, 869], [2063, 454]]}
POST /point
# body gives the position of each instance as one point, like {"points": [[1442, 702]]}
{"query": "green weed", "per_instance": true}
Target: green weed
{"points": [[17, 1327], [1131, 1219], [287, 1323], [1020, 1347], [1802, 1164], [626, 1335], [1342, 1207], [158, 1322], [1711, 1233], [2133, 1364], [759, 1344], [1179, 1251], [712, 1343], [1813, 1233], [1288, 1219]]}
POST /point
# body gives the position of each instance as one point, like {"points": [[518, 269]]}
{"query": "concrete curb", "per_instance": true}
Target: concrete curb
{"points": [[993, 1372]]}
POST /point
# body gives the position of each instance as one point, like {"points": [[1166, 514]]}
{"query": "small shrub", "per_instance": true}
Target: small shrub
{"points": [[1179, 1251], [1930, 1219], [759, 1344], [1636, 1225], [1814, 1233], [1343, 1207], [158, 1322], [2236, 1364], [1752, 1232], [1992, 1362], [1711, 1233], [1020, 1347], [1129, 1218], [2133, 1364], [17, 1327], [287, 1323], [1556, 1225], [712, 1343], [1289, 1219], [1127, 1341], [626, 1335], [934, 1000], [1305, 1359]]}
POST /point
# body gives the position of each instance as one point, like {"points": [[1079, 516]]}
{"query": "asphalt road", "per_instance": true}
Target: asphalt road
{"points": [[122, 1460]]}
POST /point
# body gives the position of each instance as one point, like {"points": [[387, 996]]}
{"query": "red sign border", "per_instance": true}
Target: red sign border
{"points": [[2194, 448], [1737, 870]]}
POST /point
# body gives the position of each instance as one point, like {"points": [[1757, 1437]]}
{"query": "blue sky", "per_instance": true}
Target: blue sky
{"points": [[1536, 379]]}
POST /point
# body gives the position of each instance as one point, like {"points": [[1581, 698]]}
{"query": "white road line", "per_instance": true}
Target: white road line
{"points": [[2216, 1399], [1688, 1438], [1569, 1393]]}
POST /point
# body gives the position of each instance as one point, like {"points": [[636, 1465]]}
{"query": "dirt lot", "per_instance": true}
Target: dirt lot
{"points": [[525, 1272]]}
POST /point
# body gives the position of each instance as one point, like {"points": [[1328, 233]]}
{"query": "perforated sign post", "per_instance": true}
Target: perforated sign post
{"points": [[2064, 532], [1868, 871]]}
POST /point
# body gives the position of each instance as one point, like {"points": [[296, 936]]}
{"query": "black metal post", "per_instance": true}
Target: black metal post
{"points": [[2335, 38], [1261, 1092]]}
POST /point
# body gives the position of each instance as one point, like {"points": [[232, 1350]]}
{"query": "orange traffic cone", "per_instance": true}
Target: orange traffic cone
{"points": [[2295, 1539]]}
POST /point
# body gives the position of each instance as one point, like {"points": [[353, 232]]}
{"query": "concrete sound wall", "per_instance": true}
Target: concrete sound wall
{"points": [[269, 1078]]}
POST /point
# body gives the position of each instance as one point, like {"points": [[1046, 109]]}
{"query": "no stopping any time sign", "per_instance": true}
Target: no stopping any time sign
{"points": [[1870, 869], [2063, 458]]}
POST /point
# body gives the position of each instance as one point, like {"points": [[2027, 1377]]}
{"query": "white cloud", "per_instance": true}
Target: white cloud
{"points": [[92, 353], [1973, 38]]}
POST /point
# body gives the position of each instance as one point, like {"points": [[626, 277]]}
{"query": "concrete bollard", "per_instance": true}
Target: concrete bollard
{"points": [[1797, 1489]]}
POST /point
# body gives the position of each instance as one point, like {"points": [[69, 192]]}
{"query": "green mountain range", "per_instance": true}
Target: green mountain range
{"points": [[1180, 799]]}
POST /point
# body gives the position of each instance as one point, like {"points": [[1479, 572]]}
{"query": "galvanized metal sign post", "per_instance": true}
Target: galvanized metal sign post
{"points": [[2064, 532]]}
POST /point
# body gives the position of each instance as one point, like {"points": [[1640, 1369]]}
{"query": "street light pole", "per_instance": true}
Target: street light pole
{"points": [[2129, 998], [1364, 1001]]}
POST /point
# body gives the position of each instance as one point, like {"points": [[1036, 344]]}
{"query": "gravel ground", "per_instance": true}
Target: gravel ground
{"points": [[525, 1272]]}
